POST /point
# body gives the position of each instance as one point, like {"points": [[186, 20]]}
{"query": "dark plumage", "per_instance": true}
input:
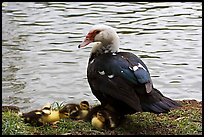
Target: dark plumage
{"points": [[34, 117]]}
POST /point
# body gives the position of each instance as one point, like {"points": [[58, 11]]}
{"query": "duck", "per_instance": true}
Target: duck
{"points": [[121, 80], [104, 119], [76, 111]]}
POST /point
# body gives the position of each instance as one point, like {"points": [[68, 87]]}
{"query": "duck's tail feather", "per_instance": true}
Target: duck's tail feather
{"points": [[158, 103]]}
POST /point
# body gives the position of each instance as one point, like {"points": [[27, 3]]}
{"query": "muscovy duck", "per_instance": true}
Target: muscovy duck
{"points": [[120, 80]]}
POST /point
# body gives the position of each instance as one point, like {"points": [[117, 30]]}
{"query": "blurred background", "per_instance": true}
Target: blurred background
{"points": [[41, 62]]}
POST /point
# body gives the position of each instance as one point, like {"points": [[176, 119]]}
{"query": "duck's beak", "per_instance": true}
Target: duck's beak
{"points": [[89, 38], [85, 42]]}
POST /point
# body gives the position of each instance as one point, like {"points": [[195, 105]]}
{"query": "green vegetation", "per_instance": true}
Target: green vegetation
{"points": [[186, 120]]}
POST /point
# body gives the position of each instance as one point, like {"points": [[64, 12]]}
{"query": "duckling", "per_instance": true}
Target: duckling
{"points": [[92, 112], [33, 117], [98, 121], [76, 111], [69, 109], [104, 120], [51, 116], [84, 110]]}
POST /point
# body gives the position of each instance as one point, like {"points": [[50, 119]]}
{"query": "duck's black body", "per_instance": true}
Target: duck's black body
{"points": [[123, 81]]}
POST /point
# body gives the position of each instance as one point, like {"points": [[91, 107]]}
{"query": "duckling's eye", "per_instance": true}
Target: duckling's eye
{"points": [[67, 114], [84, 105]]}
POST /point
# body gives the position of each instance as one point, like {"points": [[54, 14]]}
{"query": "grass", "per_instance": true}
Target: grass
{"points": [[186, 120]]}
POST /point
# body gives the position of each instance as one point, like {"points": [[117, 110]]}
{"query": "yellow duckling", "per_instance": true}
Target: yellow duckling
{"points": [[43, 116], [76, 111], [104, 119], [51, 116], [98, 121]]}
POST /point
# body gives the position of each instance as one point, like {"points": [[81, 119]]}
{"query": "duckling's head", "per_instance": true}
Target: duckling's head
{"points": [[98, 121], [69, 110], [46, 109], [63, 113], [84, 105], [101, 116]]}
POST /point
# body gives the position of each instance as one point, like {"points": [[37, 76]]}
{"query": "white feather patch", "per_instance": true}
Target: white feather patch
{"points": [[130, 68], [113, 53], [110, 76], [135, 68], [140, 66], [101, 72], [92, 61]]}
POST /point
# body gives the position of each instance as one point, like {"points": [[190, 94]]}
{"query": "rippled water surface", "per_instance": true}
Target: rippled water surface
{"points": [[41, 62]]}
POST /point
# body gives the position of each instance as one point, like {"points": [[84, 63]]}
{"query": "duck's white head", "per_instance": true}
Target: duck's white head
{"points": [[104, 37]]}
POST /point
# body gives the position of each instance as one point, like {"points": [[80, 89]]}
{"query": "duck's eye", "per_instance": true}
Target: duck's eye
{"points": [[97, 31]]}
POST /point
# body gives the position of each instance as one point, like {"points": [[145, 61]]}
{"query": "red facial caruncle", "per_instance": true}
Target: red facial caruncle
{"points": [[89, 38]]}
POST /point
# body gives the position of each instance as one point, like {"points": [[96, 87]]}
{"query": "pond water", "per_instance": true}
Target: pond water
{"points": [[41, 62]]}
